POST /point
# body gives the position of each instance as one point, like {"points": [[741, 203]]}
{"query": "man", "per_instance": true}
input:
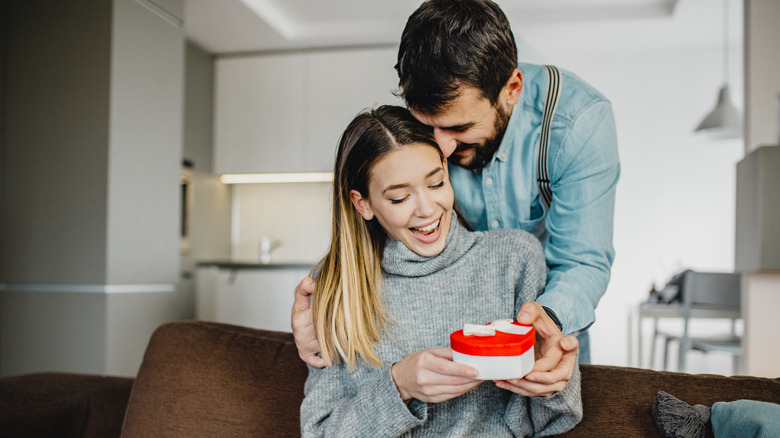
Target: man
{"points": [[458, 71]]}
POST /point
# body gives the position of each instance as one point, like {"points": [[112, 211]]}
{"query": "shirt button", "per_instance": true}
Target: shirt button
{"points": [[494, 224], [489, 181]]}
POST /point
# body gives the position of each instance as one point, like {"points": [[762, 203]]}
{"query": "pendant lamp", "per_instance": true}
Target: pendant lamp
{"points": [[724, 120]]}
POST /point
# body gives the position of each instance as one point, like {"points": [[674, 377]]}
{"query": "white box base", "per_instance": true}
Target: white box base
{"points": [[498, 367]]}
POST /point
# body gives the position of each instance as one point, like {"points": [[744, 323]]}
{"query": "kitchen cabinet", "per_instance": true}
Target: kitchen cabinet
{"points": [[341, 84], [258, 113], [258, 296], [285, 112]]}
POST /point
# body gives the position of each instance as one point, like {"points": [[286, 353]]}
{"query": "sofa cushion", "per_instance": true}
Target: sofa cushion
{"points": [[201, 379], [62, 405], [618, 401]]}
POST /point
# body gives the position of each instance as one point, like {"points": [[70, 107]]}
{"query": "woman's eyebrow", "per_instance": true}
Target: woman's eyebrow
{"points": [[395, 186], [402, 185], [434, 172]]}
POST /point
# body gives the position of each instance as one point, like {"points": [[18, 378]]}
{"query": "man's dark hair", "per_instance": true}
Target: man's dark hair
{"points": [[450, 43]]}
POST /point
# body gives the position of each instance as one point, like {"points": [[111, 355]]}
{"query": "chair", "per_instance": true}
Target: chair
{"points": [[707, 295]]}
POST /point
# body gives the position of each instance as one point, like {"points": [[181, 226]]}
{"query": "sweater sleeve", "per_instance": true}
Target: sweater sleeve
{"points": [[334, 405], [544, 416], [532, 273]]}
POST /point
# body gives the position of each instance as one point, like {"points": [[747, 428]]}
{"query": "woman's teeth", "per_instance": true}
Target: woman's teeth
{"points": [[428, 229]]}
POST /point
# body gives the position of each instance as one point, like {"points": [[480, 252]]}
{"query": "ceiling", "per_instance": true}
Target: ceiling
{"points": [[238, 26]]}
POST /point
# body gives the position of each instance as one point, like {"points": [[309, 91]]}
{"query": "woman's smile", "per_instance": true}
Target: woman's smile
{"points": [[428, 233]]}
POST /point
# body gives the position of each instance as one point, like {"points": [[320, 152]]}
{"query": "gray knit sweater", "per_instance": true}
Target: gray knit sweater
{"points": [[477, 278]]}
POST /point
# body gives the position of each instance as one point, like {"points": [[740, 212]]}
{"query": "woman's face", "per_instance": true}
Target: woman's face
{"points": [[411, 197]]}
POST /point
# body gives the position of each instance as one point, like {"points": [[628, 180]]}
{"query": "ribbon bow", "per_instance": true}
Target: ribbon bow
{"points": [[501, 325]]}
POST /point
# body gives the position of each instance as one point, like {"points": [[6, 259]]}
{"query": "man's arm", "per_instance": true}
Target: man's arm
{"points": [[302, 323], [579, 252]]}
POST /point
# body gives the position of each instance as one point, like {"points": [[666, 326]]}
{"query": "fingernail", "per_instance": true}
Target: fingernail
{"points": [[522, 315], [565, 344]]}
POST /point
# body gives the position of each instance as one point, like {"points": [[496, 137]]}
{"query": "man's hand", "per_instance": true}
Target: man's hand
{"points": [[556, 356], [303, 325], [431, 376]]}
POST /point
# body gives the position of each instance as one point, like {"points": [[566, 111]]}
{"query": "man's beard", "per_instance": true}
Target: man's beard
{"points": [[483, 154]]}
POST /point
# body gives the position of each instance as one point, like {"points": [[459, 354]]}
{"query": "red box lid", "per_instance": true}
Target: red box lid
{"points": [[500, 344]]}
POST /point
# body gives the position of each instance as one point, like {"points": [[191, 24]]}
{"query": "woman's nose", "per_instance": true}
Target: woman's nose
{"points": [[445, 140], [425, 205]]}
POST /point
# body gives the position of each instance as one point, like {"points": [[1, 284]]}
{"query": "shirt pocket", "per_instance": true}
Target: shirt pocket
{"points": [[535, 223], [533, 226]]}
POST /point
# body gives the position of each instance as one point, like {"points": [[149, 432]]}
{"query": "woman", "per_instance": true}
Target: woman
{"points": [[402, 274]]}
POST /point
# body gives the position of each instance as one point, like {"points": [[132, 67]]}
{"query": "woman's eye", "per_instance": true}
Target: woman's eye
{"points": [[399, 200], [439, 185]]}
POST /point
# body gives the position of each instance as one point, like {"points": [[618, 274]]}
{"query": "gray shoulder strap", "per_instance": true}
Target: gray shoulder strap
{"points": [[550, 103]]}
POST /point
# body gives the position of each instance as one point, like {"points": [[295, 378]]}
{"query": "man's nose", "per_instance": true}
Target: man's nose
{"points": [[445, 140]]}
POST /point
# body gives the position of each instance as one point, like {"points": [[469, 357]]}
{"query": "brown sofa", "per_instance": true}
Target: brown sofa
{"points": [[201, 379]]}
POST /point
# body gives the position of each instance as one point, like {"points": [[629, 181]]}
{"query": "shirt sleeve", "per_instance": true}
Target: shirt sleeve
{"points": [[334, 405], [579, 252]]}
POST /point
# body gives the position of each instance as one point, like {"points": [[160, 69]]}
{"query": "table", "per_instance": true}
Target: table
{"points": [[677, 310]]}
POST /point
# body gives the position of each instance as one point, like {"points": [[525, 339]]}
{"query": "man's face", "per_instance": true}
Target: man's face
{"points": [[470, 130]]}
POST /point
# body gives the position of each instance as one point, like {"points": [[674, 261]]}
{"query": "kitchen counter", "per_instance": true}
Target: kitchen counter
{"points": [[250, 265]]}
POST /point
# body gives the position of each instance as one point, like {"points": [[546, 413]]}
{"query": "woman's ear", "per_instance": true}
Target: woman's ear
{"points": [[361, 205]]}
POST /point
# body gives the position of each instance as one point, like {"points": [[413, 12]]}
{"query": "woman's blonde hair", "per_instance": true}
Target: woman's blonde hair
{"points": [[347, 308]]}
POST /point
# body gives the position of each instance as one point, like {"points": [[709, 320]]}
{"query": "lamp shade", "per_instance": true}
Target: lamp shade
{"points": [[724, 120]]}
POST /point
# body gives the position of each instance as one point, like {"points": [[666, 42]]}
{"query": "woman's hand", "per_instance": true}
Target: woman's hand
{"points": [[556, 356], [302, 323], [431, 376]]}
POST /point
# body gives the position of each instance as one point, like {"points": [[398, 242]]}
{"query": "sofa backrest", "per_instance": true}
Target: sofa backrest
{"points": [[618, 401], [201, 379]]}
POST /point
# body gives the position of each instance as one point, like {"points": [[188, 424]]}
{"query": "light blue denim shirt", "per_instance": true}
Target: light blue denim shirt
{"points": [[584, 168]]}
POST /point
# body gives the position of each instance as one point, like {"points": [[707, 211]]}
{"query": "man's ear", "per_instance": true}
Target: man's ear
{"points": [[361, 205], [513, 87]]}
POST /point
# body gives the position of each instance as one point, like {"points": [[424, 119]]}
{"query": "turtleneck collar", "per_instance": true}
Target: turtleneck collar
{"points": [[400, 260]]}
